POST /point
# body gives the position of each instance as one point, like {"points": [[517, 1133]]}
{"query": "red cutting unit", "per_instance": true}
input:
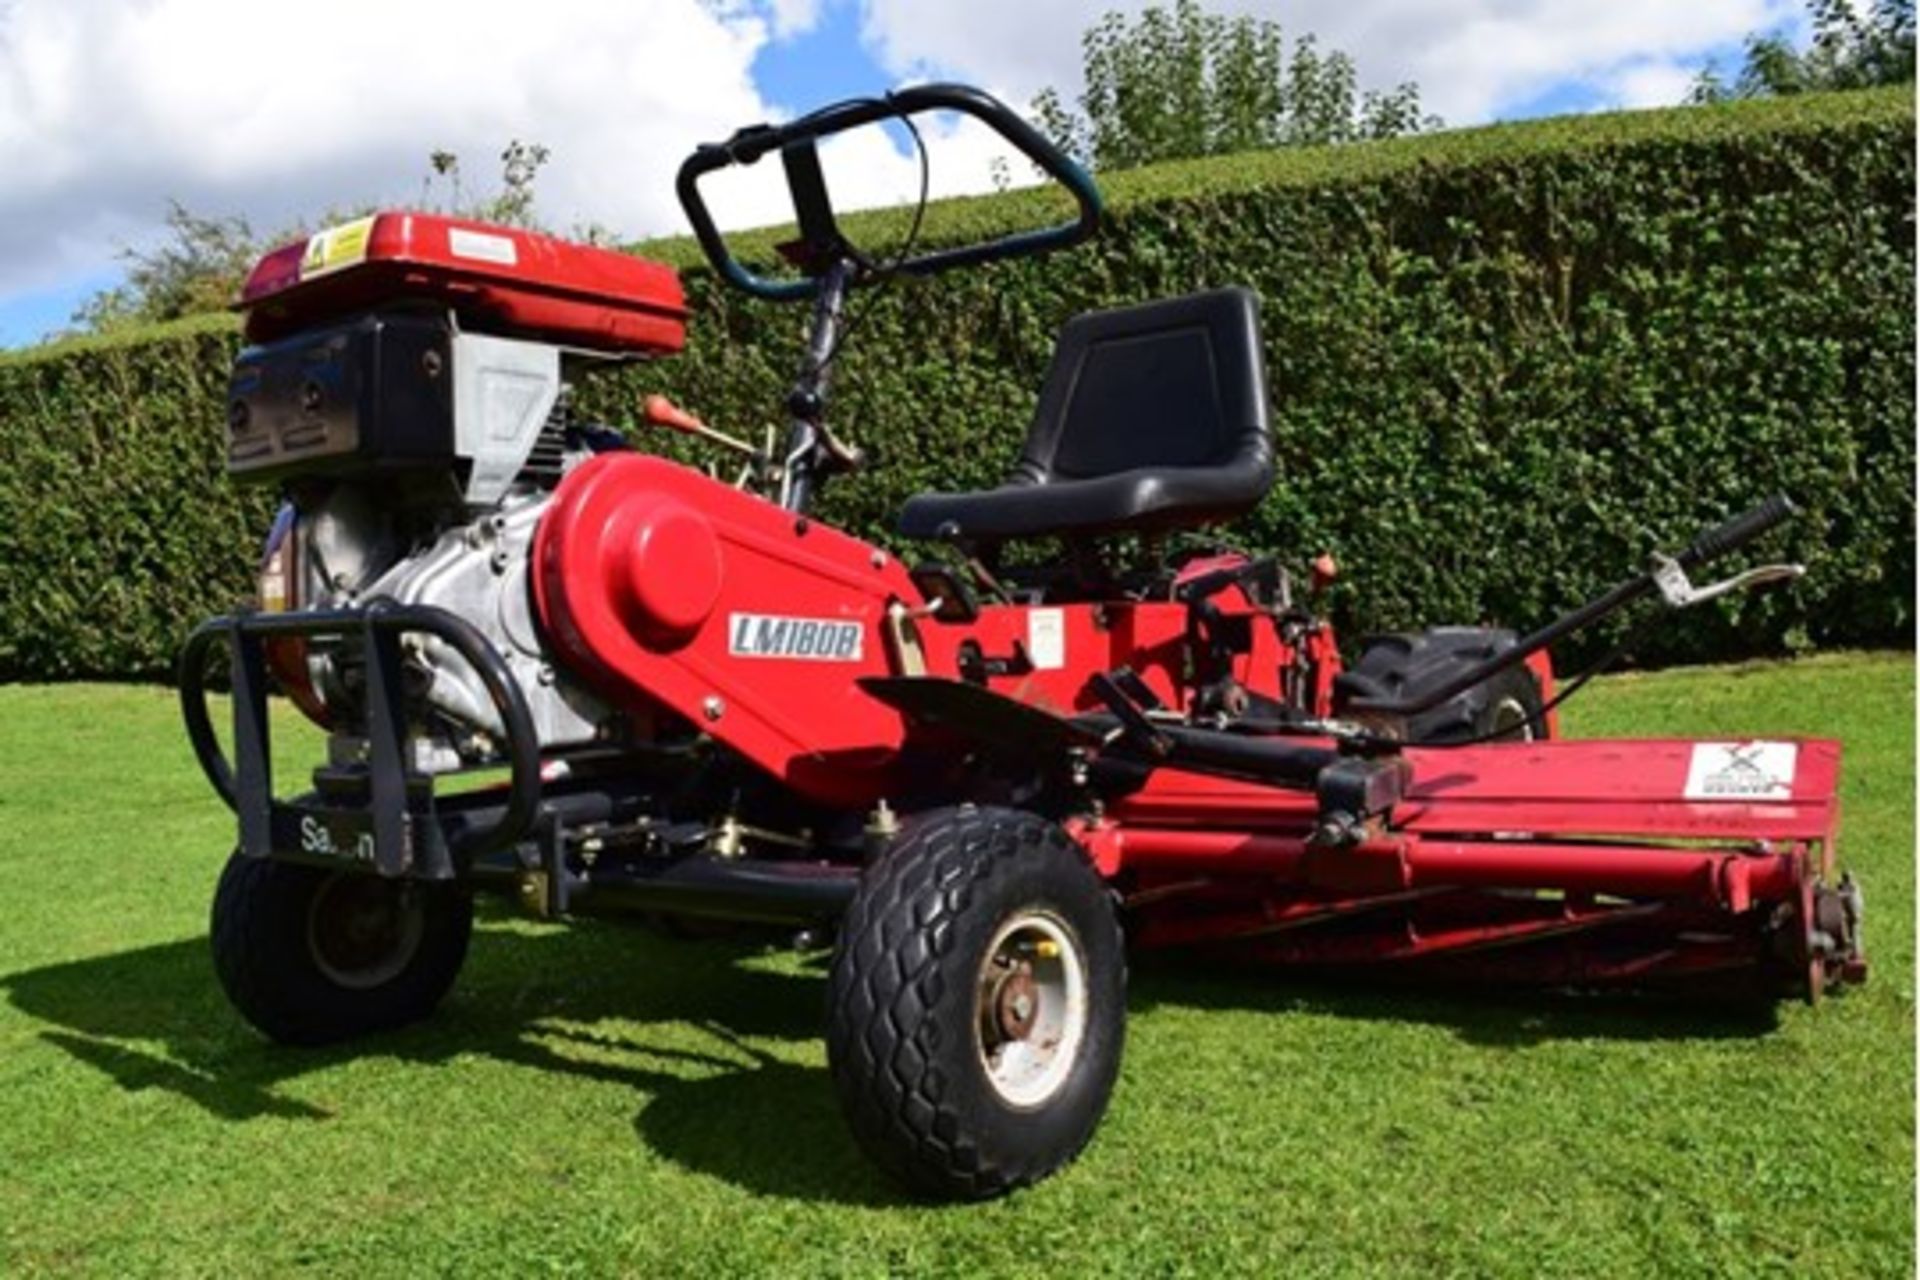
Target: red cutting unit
{"points": [[1560, 863]]}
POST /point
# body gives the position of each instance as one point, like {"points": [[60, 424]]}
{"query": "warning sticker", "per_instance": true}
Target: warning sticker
{"points": [[1046, 639], [482, 246], [336, 247], [1742, 771]]}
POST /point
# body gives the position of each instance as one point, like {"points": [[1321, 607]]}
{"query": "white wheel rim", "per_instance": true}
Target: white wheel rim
{"points": [[1509, 715], [1030, 1013]]}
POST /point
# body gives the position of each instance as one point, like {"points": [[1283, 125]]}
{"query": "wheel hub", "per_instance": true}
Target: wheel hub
{"points": [[1031, 1008], [363, 931], [1016, 1003]]}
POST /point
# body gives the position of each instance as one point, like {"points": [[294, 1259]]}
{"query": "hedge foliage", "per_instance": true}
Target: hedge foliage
{"points": [[1504, 363]]}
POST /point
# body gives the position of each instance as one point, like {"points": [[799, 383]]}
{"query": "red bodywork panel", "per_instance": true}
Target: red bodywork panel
{"points": [[1066, 644], [500, 280], [646, 571]]}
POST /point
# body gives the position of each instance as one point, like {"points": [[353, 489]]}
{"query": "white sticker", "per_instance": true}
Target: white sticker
{"points": [[759, 635], [1742, 771], [481, 246], [1047, 639]]}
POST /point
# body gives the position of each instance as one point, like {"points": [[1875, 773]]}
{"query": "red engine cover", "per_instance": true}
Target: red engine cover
{"points": [[668, 589], [500, 280]]}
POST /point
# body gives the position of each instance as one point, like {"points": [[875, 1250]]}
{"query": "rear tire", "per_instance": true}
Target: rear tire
{"points": [[312, 957], [1506, 708], [977, 1003]]}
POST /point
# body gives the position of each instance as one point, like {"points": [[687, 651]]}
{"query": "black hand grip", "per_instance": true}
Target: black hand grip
{"points": [[1738, 531]]}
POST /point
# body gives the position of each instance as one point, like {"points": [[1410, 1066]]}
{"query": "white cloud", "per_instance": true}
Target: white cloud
{"points": [[1651, 84], [1471, 58], [793, 17], [275, 110], [109, 107]]}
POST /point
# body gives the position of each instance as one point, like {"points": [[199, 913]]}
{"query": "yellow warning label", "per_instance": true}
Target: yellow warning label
{"points": [[336, 247]]}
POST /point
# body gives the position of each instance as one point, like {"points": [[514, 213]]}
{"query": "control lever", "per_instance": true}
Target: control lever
{"points": [[1134, 725], [1136, 689], [662, 412], [849, 457], [1679, 593], [1212, 583]]}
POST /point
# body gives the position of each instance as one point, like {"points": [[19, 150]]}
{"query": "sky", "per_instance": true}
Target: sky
{"points": [[275, 111]]}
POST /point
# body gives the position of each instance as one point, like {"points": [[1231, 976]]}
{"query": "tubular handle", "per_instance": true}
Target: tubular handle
{"points": [[1737, 532], [1708, 547], [750, 144]]}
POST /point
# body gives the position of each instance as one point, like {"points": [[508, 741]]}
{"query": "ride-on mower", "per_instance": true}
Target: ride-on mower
{"points": [[979, 778]]}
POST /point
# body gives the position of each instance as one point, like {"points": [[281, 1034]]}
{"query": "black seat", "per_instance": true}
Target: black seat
{"points": [[1152, 417]]}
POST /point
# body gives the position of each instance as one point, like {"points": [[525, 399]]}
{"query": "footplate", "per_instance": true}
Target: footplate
{"points": [[397, 831]]}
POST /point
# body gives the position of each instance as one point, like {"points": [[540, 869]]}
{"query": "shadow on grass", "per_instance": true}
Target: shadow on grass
{"points": [[1514, 1016], [612, 1004], [596, 1002]]}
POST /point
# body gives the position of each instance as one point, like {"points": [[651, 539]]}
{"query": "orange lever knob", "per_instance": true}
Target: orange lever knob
{"points": [[662, 412]]}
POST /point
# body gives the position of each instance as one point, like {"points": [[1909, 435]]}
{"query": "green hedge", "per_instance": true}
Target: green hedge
{"points": [[1504, 364]]}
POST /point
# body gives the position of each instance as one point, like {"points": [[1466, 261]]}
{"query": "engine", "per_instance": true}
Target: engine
{"points": [[355, 542], [408, 388]]}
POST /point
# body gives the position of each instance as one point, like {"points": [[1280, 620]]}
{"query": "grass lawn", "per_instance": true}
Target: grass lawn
{"points": [[594, 1100]]}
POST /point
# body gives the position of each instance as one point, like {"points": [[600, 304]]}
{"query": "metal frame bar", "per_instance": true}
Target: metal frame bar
{"points": [[246, 782]]}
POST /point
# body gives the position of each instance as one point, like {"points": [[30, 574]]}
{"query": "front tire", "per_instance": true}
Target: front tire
{"points": [[313, 957], [977, 1003]]}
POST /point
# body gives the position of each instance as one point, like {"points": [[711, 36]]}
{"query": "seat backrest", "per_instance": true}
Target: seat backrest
{"points": [[1174, 383]]}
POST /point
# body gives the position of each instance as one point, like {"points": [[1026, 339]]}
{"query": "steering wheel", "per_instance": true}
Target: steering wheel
{"points": [[820, 234]]}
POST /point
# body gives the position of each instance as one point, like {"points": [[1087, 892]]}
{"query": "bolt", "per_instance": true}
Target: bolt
{"points": [[1023, 1007], [879, 560], [713, 707], [546, 674]]}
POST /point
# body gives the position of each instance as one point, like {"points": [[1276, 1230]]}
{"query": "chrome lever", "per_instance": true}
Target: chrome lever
{"points": [[1679, 593]]}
